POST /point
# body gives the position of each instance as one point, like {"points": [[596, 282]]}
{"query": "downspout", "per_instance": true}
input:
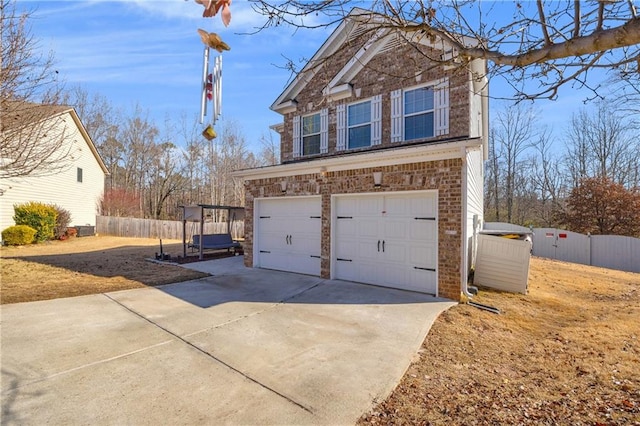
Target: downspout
{"points": [[464, 274]]}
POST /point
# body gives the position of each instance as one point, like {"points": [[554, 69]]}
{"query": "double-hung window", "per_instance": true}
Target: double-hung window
{"points": [[311, 134], [418, 113], [359, 124]]}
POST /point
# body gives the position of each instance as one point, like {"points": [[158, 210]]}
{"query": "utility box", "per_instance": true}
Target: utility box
{"points": [[502, 263], [85, 231]]}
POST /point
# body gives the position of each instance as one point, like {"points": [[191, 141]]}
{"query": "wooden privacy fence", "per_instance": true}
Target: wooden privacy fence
{"points": [[166, 229], [607, 251]]}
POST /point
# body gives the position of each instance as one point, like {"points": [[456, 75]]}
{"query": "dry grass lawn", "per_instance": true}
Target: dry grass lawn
{"points": [[85, 265], [566, 353]]}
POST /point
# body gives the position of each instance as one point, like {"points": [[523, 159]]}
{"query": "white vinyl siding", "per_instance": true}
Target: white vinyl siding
{"points": [[63, 188]]}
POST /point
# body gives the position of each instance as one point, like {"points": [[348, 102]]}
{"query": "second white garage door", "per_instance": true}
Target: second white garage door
{"points": [[388, 240], [287, 234]]}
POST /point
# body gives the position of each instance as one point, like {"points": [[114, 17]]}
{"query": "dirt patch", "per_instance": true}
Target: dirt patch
{"points": [[566, 353], [86, 265]]}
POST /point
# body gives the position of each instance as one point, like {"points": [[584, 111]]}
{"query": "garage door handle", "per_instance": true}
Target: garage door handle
{"points": [[290, 240], [383, 246], [424, 218], [344, 260], [265, 251], [425, 269], [378, 245], [315, 257]]}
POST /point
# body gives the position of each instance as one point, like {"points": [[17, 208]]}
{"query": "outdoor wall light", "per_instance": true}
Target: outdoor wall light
{"points": [[283, 186], [323, 171], [377, 179]]}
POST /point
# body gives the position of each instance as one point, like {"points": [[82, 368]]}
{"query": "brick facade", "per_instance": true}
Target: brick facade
{"points": [[443, 175], [382, 75]]}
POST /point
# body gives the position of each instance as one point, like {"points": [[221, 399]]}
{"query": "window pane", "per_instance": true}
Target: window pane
{"points": [[418, 126], [418, 100], [359, 113], [311, 124], [360, 136], [311, 145]]}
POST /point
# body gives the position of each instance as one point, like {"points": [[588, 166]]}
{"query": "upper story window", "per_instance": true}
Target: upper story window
{"points": [[418, 113], [359, 124], [79, 174], [311, 134]]}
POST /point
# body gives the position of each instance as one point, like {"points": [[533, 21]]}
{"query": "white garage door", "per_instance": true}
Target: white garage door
{"points": [[388, 240], [287, 234]]}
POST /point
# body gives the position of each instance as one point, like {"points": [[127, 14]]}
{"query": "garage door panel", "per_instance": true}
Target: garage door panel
{"points": [[424, 206], [391, 240], [395, 229], [367, 228], [287, 234], [422, 256], [423, 230]]}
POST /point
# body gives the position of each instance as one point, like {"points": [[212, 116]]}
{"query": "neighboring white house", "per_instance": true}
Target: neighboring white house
{"points": [[76, 187], [382, 164]]}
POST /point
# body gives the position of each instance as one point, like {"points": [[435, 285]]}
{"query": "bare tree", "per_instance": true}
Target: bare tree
{"points": [[603, 143], [32, 127], [547, 180], [270, 152], [551, 43], [513, 133]]}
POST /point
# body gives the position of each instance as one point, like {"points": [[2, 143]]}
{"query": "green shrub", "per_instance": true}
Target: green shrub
{"points": [[18, 235], [39, 216], [63, 219]]}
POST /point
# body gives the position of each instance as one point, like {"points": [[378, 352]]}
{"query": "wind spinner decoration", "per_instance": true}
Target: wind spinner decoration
{"points": [[212, 79]]}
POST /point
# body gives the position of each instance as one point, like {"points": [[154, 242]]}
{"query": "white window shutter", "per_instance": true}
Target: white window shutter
{"points": [[297, 140], [376, 120], [441, 107], [341, 127], [396, 116], [324, 131]]}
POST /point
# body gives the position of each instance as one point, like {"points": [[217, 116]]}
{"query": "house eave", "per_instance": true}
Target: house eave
{"points": [[395, 156]]}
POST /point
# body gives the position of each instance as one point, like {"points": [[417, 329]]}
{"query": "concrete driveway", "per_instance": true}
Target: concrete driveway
{"points": [[245, 346]]}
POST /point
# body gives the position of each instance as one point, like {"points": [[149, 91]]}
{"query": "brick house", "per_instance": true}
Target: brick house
{"points": [[381, 172]]}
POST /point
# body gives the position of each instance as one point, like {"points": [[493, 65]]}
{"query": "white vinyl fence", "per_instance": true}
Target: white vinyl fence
{"points": [[607, 251]]}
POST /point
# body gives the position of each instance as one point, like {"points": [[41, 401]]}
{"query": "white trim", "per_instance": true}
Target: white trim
{"points": [[376, 120], [341, 127], [360, 59], [396, 116], [324, 131], [397, 156], [338, 93], [297, 139], [441, 107]]}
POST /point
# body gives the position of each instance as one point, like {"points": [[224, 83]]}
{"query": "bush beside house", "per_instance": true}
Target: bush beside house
{"points": [[18, 235]]}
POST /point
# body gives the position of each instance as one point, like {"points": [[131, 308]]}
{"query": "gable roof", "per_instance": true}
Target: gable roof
{"points": [[355, 24], [17, 114]]}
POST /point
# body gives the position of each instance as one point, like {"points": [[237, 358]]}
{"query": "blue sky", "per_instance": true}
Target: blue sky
{"points": [[149, 52]]}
